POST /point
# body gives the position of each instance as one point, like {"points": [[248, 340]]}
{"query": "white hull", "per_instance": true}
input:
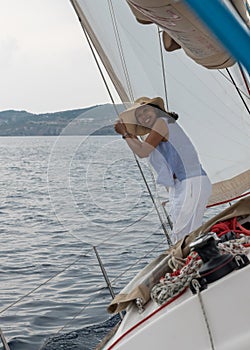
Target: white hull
{"points": [[182, 324]]}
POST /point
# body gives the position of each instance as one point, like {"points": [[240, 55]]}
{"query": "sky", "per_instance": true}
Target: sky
{"points": [[45, 62]]}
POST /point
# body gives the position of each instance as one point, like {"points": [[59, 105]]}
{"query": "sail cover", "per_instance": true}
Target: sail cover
{"points": [[210, 109]]}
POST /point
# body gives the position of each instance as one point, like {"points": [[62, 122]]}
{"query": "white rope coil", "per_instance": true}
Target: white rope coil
{"points": [[235, 246], [172, 284]]}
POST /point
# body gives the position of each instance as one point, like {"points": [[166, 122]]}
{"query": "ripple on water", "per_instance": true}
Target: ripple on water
{"points": [[59, 198]]}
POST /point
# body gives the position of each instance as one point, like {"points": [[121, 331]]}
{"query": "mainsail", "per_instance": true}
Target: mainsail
{"points": [[210, 109]]}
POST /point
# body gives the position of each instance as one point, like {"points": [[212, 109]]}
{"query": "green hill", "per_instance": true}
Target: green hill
{"points": [[96, 120]]}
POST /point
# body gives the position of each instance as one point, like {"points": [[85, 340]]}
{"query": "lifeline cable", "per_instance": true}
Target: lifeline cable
{"points": [[61, 271]]}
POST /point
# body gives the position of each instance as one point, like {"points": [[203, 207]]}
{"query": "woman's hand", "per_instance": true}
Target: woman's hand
{"points": [[120, 127]]}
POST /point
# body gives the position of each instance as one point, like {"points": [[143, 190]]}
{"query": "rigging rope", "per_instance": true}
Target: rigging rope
{"points": [[162, 204], [223, 74], [120, 49], [100, 70], [98, 292], [163, 225], [244, 78], [72, 264], [204, 315], [237, 89], [40, 285], [111, 97], [173, 283], [137, 262], [64, 269], [205, 102], [163, 68], [116, 32], [119, 45]]}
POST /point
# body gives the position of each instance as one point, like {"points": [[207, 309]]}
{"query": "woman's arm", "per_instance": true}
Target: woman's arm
{"points": [[143, 149]]}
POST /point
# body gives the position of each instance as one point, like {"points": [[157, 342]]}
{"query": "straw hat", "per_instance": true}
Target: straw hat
{"points": [[128, 116]]}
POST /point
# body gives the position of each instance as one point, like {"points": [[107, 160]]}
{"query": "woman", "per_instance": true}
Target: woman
{"points": [[174, 158]]}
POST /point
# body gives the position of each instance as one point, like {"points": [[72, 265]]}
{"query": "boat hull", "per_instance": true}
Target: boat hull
{"points": [[184, 324]]}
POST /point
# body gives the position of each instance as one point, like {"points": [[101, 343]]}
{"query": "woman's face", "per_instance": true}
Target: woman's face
{"points": [[146, 115]]}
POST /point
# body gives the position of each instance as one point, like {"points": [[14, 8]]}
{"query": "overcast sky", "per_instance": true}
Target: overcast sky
{"points": [[45, 62]]}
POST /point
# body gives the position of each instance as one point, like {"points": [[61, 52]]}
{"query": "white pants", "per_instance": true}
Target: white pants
{"points": [[188, 200]]}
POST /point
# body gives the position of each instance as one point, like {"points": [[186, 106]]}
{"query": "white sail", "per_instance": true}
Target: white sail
{"points": [[210, 109]]}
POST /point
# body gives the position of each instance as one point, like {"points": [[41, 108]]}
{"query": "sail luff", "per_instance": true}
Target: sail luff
{"points": [[102, 55]]}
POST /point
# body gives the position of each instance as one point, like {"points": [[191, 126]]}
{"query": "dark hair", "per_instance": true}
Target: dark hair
{"points": [[161, 113], [174, 115]]}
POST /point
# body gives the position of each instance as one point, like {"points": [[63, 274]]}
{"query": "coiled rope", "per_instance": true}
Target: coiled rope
{"points": [[174, 283]]}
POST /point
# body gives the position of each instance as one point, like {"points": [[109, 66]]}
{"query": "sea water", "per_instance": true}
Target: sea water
{"points": [[60, 197]]}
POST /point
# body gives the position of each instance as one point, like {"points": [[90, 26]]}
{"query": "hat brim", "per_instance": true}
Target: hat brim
{"points": [[129, 119]]}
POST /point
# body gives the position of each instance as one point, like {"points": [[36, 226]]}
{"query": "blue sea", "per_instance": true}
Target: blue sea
{"points": [[60, 198]]}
